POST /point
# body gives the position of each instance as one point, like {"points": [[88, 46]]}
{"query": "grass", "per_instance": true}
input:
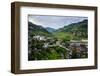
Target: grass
{"points": [[63, 36]]}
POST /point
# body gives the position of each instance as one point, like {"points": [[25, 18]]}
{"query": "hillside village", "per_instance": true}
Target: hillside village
{"points": [[74, 48], [62, 44]]}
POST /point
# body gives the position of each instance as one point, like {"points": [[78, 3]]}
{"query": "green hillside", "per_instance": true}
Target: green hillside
{"points": [[34, 29], [75, 31]]}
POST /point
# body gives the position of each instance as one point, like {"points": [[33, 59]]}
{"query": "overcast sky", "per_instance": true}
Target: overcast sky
{"points": [[54, 21]]}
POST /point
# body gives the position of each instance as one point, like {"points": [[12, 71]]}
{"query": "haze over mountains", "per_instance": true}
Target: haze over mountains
{"points": [[49, 29]]}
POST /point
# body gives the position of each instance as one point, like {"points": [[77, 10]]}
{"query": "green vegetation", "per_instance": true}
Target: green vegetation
{"points": [[63, 36], [34, 29], [55, 44], [50, 53], [74, 31]]}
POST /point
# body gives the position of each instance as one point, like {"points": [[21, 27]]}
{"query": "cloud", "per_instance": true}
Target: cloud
{"points": [[54, 21]]}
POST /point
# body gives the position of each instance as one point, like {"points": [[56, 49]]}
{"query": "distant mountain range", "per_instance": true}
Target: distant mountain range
{"points": [[49, 29], [77, 29]]}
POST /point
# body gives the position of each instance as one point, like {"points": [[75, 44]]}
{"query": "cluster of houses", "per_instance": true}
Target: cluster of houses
{"points": [[79, 47], [38, 37]]}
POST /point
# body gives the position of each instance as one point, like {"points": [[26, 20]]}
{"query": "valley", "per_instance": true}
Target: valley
{"points": [[68, 42]]}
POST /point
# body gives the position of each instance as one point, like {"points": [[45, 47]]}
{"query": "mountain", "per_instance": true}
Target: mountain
{"points": [[79, 26], [49, 29], [74, 31], [34, 29]]}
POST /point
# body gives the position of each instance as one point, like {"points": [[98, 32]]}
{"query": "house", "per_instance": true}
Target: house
{"points": [[45, 45], [38, 37]]}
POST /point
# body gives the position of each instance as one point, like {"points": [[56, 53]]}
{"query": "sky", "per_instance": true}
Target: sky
{"points": [[55, 22]]}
